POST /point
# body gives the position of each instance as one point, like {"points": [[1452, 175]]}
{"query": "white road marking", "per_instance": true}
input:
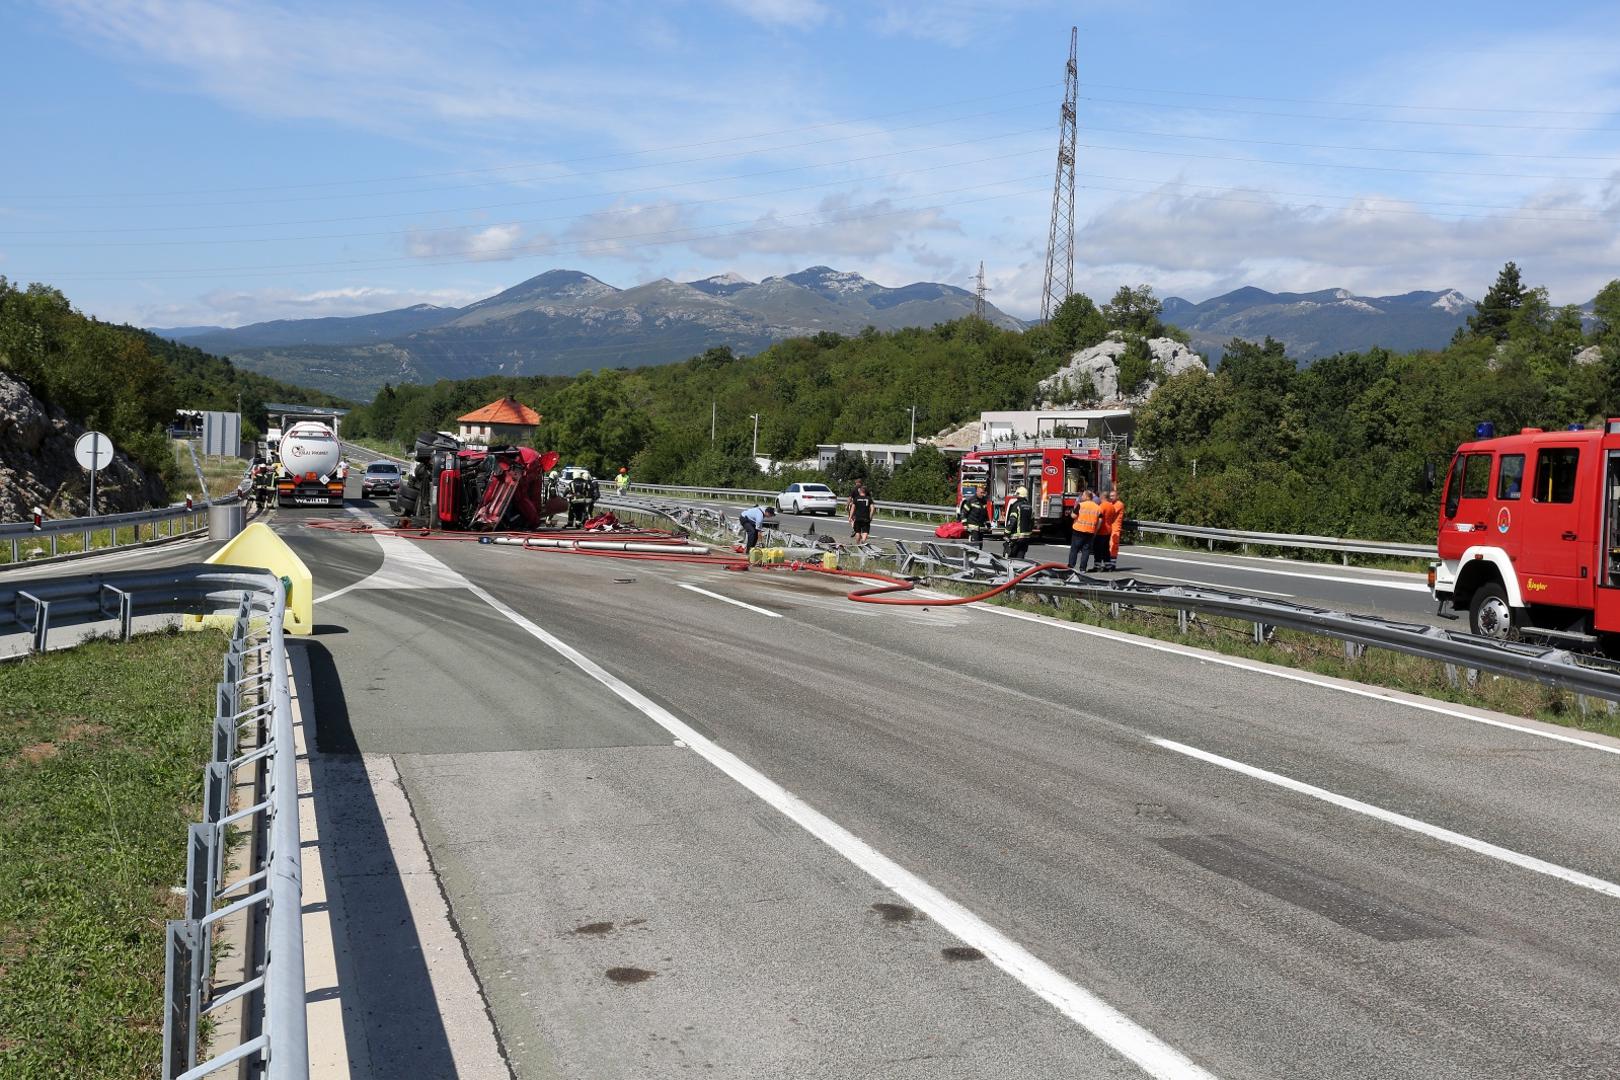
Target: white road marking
{"points": [[1481, 847], [405, 566], [727, 599], [1404, 586], [1204, 656], [1151, 1054]]}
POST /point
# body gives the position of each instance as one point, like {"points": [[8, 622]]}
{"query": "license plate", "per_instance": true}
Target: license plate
{"points": [[306, 501]]}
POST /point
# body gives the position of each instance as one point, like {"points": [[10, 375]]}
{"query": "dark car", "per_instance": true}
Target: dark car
{"points": [[381, 478]]}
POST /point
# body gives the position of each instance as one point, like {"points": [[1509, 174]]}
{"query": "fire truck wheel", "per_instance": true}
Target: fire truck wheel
{"points": [[1489, 614]]}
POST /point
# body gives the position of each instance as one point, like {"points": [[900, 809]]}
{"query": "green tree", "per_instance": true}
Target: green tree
{"points": [[1135, 365], [1076, 325], [1134, 311], [1494, 314]]}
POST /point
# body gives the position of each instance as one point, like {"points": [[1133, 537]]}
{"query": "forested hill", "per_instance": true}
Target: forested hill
{"points": [[1341, 446], [121, 380]]}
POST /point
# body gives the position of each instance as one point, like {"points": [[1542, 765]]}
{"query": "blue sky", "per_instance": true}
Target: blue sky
{"points": [[176, 162]]}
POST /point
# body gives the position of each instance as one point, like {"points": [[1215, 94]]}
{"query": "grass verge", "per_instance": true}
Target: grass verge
{"points": [[1326, 656], [101, 756]]}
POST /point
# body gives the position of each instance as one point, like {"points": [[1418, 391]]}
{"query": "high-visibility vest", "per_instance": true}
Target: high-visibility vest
{"points": [[622, 480], [1112, 512], [1087, 517]]}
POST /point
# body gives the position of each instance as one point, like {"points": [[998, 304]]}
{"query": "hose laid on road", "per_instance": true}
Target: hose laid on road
{"points": [[655, 546]]}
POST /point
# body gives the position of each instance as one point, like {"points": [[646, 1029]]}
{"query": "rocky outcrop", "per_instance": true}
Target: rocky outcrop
{"points": [[37, 467], [1097, 369], [1589, 355]]}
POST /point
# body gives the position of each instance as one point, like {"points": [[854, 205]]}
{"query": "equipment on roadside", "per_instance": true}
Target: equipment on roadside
{"points": [[310, 469], [1529, 538], [477, 490]]}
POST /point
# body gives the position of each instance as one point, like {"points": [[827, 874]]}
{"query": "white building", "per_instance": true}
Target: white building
{"points": [[1105, 424], [888, 455]]}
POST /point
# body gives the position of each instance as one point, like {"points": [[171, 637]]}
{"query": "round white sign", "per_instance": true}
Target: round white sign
{"points": [[93, 450]]}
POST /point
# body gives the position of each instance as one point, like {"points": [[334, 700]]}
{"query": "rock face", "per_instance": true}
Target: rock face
{"points": [[1100, 365], [1589, 355], [37, 467]]}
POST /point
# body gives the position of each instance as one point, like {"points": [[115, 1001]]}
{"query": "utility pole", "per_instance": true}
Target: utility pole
{"points": [[714, 413], [756, 434], [1059, 282], [978, 294], [913, 423]]}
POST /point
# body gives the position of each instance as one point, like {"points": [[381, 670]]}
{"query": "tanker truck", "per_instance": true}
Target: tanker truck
{"points": [[309, 469]]}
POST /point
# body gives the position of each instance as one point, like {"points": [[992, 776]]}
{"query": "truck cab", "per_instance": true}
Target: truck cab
{"points": [[1529, 534]]}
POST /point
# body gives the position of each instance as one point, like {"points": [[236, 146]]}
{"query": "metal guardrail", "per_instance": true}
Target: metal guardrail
{"points": [[1239, 537], [1580, 674], [253, 706], [167, 523]]}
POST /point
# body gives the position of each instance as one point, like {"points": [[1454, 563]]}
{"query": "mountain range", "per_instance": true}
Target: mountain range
{"points": [[1318, 324], [564, 322]]}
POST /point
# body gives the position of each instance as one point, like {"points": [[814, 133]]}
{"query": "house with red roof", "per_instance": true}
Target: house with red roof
{"points": [[507, 422]]}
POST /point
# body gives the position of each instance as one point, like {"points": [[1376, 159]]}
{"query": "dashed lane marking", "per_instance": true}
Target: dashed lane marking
{"points": [[727, 599], [1470, 843]]}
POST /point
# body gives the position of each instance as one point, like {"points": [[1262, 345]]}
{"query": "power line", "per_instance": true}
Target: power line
{"points": [[1354, 104], [553, 163], [1359, 149], [1349, 119], [528, 221], [689, 235], [1340, 165], [551, 179]]}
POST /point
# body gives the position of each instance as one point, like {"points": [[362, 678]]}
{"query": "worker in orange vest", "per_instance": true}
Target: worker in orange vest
{"points": [[1113, 518], [1087, 523]]}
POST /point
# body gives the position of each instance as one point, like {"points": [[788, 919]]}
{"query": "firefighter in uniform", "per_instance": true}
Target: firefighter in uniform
{"points": [[1020, 523], [1087, 523], [596, 493], [974, 513], [263, 482], [579, 500], [1114, 518]]}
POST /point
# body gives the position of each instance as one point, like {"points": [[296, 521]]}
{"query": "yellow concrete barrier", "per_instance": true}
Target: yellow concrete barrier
{"points": [[258, 546]]}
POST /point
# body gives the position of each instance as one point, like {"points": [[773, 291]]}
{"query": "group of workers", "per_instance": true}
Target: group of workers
{"points": [[1097, 526], [582, 491], [1095, 531]]}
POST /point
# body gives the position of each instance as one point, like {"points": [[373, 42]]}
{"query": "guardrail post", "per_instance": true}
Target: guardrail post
{"points": [[1181, 620], [42, 619], [181, 998]]}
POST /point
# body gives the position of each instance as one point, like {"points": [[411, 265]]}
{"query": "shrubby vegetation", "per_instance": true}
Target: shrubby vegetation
{"points": [[121, 380], [1343, 447]]}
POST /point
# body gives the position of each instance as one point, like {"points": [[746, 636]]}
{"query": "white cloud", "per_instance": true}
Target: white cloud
{"points": [[798, 14], [491, 243], [1182, 242], [840, 227], [238, 307], [628, 231]]}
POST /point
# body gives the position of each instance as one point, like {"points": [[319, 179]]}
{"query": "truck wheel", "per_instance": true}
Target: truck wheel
{"points": [[1489, 614]]}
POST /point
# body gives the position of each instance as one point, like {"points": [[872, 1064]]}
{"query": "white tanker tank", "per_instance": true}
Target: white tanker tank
{"points": [[311, 469]]}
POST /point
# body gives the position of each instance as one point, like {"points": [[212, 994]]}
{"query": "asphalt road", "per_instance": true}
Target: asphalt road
{"points": [[690, 820]]}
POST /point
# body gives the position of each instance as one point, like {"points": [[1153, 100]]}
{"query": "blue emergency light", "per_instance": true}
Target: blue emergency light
{"points": [[1485, 430], [1577, 427]]}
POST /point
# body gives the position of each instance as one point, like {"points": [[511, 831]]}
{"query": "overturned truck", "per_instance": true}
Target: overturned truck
{"points": [[504, 487]]}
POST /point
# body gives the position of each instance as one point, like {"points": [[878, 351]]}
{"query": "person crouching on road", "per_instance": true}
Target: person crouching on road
{"points": [[1020, 525], [974, 514], [1114, 519], [861, 505], [1087, 523], [752, 520]]}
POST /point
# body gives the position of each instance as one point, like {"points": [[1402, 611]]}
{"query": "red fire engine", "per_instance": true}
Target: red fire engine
{"points": [[1055, 470], [1530, 535]]}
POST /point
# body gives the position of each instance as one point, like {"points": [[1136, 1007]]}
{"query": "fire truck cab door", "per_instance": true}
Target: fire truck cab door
{"points": [[1560, 542]]}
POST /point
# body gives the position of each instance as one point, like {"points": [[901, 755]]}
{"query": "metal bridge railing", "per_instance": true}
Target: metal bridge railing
{"points": [[252, 745]]}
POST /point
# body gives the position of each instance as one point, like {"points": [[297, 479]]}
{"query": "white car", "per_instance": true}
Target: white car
{"points": [[807, 499]]}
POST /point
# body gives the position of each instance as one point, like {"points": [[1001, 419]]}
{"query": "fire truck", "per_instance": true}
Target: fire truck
{"points": [[1055, 470], [1529, 539]]}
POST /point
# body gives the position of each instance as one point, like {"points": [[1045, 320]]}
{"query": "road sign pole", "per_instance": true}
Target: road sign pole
{"points": [[95, 445]]}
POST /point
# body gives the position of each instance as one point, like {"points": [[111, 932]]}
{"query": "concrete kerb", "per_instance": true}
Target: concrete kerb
{"points": [[333, 931]]}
